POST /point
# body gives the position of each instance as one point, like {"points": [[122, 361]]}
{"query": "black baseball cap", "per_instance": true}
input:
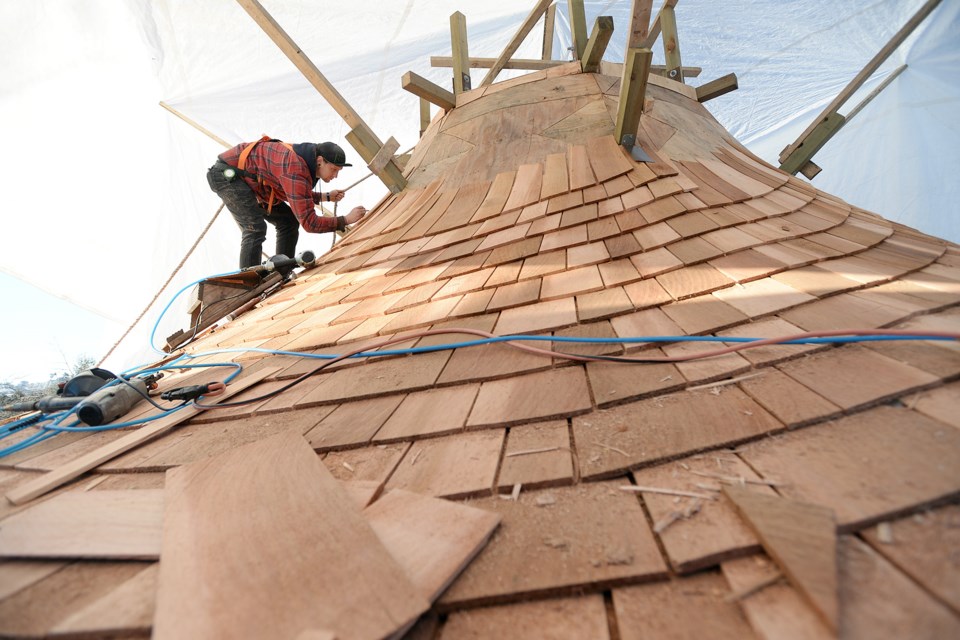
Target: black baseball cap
{"points": [[333, 154]]}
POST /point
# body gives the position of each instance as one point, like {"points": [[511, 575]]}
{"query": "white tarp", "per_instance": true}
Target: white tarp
{"points": [[108, 189]]}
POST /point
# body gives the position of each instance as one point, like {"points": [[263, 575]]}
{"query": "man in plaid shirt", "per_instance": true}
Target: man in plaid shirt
{"points": [[272, 181]]}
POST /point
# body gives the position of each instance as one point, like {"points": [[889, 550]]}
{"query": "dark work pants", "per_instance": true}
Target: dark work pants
{"points": [[252, 218]]}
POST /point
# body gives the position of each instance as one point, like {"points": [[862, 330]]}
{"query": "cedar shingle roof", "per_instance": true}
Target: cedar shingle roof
{"points": [[522, 215]]}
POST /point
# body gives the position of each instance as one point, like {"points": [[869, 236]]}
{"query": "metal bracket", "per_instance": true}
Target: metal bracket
{"points": [[629, 142]]}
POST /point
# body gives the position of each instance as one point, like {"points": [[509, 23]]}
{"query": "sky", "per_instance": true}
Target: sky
{"points": [[49, 334]]}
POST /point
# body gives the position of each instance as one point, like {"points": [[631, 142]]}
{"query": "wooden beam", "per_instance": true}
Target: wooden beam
{"points": [[671, 43], [528, 64], [654, 32], [327, 90], [597, 44], [578, 27], [458, 44], [864, 74], [196, 126], [873, 94], [639, 23], [515, 43], [420, 86], [718, 87], [549, 22], [810, 170], [812, 143], [633, 87], [531, 64], [424, 115]]}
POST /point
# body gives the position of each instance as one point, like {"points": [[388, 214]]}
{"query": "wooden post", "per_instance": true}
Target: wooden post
{"points": [[424, 115], [639, 23], [863, 76], [529, 64], [671, 43], [873, 94], [597, 45], [370, 144], [458, 43], [549, 21], [514, 44], [578, 27], [654, 32], [633, 87]]}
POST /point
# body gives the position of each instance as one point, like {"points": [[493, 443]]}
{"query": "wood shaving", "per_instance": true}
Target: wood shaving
{"points": [[606, 446]]}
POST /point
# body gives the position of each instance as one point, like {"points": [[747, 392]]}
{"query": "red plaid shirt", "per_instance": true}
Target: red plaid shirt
{"points": [[282, 170]]}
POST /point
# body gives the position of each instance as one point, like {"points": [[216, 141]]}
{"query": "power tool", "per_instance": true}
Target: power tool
{"points": [[69, 393], [97, 402]]}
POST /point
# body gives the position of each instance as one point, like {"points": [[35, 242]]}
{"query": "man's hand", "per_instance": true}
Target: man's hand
{"points": [[355, 215], [337, 195]]}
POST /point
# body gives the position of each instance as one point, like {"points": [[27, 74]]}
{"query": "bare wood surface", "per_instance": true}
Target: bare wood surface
{"points": [[420, 86], [87, 524], [639, 23], [432, 540], [232, 520], [802, 538], [67, 472]]}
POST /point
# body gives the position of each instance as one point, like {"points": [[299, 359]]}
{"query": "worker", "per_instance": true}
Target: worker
{"points": [[272, 181]]}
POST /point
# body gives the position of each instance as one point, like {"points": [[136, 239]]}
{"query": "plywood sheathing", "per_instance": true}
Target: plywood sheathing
{"points": [[522, 215]]}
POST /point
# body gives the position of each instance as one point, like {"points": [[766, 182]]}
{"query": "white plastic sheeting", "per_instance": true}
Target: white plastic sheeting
{"points": [[109, 191]]}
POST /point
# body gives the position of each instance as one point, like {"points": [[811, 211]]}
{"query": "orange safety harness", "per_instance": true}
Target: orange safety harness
{"points": [[242, 163]]}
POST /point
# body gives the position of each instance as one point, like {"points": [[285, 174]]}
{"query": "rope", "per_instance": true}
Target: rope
{"points": [[165, 285]]}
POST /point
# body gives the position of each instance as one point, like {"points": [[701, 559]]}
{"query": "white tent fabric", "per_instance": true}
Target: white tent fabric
{"points": [[109, 189]]}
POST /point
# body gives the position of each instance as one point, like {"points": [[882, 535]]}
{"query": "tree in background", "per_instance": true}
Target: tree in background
{"points": [[11, 392]]}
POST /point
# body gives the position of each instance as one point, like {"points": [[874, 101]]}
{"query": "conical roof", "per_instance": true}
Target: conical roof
{"points": [[522, 215]]}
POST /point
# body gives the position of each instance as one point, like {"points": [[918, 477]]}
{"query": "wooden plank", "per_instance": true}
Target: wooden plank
{"points": [[821, 134], [698, 533], [682, 608], [516, 41], [424, 115], [384, 155], [87, 524], [496, 197], [67, 472], [526, 64], [857, 465], [775, 610], [578, 27], [864, 74], [607, 158], [581, 175], [426, 468], [916, 546], [555, 178], [597, 44], [557, 540], [880, 601], [837, 376], [231, 520], [420, 86], [802, 539], [665, 427], [582, 616], [433, 540], [526, 187], [537, 455], [16, 575], [654, 31], [633, 88], [671, 43], [128, 609], [366, 142], [433, 412], [461, 55], [544, 395]]}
